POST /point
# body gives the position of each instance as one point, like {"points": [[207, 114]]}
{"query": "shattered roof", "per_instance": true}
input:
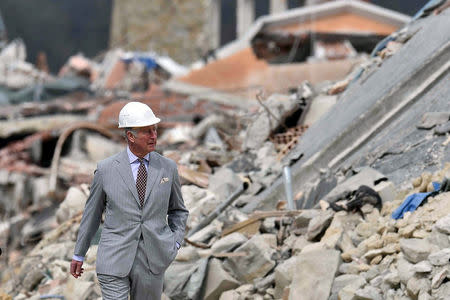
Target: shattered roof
{"points": [[244, 74], [239, 71], [366, 16]]}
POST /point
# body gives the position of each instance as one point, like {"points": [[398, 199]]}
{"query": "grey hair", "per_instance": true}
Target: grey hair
{"points": [[133, 132]]}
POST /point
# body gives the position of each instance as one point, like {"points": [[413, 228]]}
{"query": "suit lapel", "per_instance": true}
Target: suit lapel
{"points": [[154, 172], [124, 169]]}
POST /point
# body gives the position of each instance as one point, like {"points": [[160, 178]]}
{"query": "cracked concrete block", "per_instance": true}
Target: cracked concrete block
{"points": [[229, 242], [314, 269], [257, 263], [217, 280]]}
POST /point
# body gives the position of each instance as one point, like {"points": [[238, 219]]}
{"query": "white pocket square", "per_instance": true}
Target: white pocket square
{"points": [[164, 180]]}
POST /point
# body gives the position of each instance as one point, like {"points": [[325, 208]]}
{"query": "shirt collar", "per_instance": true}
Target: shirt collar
{"points": [[132, 158]]}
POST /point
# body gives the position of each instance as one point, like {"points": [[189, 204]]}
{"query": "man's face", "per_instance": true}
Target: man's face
{"points": [[145, 139]]}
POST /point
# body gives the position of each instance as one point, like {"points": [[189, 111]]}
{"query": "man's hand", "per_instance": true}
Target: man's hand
{"points": [[76, 268]]}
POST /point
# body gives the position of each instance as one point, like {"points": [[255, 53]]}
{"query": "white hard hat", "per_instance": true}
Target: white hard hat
{"points": [[137, 114]]}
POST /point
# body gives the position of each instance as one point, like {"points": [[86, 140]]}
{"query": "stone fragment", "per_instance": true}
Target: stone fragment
{"points": [[77, 289], [390, 238], [320, 105], [230, 295], [347, 280], [224, 182], [257, 263], [431, 119], [442, 292], [271, 239], [345, 243], [72, 205], [209, 231], [301, 222], [300, 243], [440, 258], [386, 190], [442, 128], [262, 125], [334, 232], [439, 239], [229, 242], [217, 280], [423, 267], [319, 224], [262, 284], [353, 268], [32, 279], [374, 242], [376, 260], [98, 147], [415, 250], [314, 247], [407, 231], [416, 285], [392, 279], [405, 270], [368, 293], [443, 224], [438, 278], [268, 225], [283, 275], [424, 296], [315, 268], [389, 249], [365, 229], [187, 254]]}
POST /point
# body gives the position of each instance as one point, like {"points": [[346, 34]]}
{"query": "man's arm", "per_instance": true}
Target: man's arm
{"points": [[90, 221], [177, 213]]}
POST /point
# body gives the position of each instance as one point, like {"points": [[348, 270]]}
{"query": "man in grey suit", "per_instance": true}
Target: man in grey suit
{"points": [[139, 192]]}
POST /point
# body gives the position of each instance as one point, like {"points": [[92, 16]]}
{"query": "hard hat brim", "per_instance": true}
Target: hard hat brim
{"points": [[144, 124]]}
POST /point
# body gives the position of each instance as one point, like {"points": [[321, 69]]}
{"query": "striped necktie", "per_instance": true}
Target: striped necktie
{"points": [[141, 181]]}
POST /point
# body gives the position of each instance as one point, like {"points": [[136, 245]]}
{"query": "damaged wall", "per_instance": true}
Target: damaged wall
{"points": [[166, 27]]}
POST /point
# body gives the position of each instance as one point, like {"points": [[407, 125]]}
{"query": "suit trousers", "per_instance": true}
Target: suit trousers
{"points": [[140, 284]]}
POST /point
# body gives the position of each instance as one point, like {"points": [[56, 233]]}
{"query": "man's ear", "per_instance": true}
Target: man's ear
{"points": [[130, 136]]}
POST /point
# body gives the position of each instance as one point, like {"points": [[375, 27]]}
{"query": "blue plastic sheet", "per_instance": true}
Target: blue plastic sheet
{"points": [[413, 201], [148, 61]]}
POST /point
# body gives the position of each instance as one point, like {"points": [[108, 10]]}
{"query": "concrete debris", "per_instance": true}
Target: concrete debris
{"points": [[350, 141]]}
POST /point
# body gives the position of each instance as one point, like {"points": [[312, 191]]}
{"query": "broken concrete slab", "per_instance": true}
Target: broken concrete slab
{"points": [[229, 242], [432, 119], [35, 124], [257, 263], [319, 106], [415, 250], [271, 115], [98, 147], [72, 205], [319, 224], [224, 182], [314, 269], [284, 273], [367, 176], [217, 280]]}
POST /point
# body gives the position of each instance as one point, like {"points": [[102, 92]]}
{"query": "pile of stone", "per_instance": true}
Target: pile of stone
{"points": [[343, 255]]}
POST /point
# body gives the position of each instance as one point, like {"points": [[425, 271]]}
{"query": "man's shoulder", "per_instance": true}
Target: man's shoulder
{"points": [[165, 160], [110, 160]]}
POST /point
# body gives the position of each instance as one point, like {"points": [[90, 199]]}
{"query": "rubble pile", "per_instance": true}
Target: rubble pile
{"points": [[243, 238], [272, 254]]}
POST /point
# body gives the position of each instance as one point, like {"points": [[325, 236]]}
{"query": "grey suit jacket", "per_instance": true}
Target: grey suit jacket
{"points": [[161, 222]]}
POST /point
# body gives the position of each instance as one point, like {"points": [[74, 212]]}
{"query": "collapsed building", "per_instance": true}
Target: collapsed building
{"points": [[381, 123]]}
